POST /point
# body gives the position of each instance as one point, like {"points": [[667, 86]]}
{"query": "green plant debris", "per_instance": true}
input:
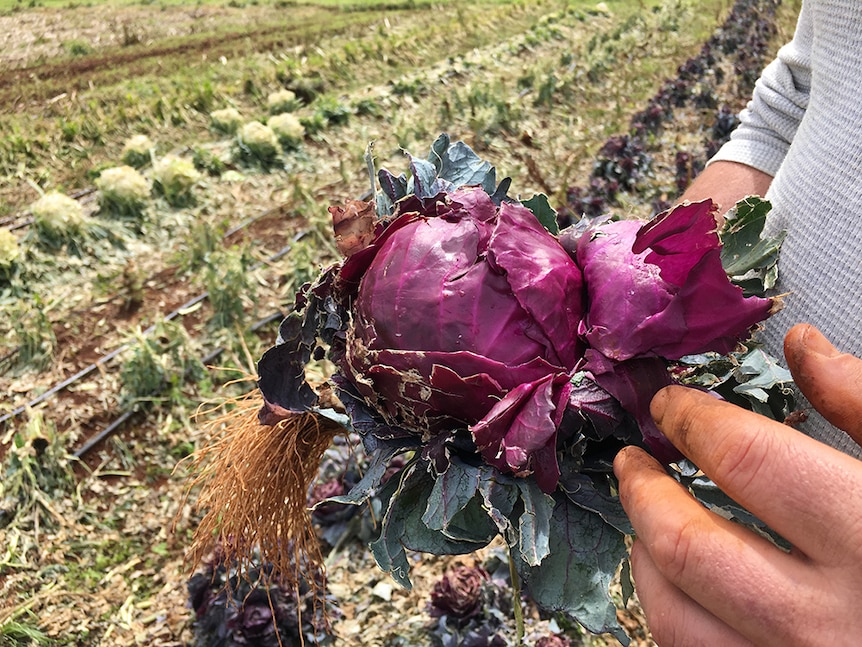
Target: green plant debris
{"points": [[159, 365]]}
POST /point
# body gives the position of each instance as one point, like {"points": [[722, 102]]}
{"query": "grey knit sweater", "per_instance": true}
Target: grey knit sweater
{"points": [[804, 127]]}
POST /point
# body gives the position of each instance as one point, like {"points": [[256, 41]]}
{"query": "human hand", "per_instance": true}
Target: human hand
{"points": [[703, 580]]}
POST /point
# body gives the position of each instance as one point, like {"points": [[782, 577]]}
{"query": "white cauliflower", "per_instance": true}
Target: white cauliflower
{"points": [[57, 215], [282, 101], [123, 191], [9, 250], [226, 120], [288, 129], [175, 177], [136, 151], [259, 143]]}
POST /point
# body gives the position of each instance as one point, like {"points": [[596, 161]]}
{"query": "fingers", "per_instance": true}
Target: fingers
{"points": [[772, 470], [831, 380], [717, 565], [673, 617]]}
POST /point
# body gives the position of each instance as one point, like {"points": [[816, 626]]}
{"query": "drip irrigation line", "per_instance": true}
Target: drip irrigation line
{"points": [[20, 225], [92, 367], [109, 431], [245, 223], [82, 193], [60, 386], [104, 434]]}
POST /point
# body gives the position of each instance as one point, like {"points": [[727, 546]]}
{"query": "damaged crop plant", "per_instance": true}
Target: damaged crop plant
{"points": [[497, 363]]}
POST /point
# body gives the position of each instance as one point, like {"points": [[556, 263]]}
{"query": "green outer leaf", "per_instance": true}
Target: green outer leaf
{"points": [[387, 548], [360, 492], [741, 234], [626, 583], [583, 490], [452, 491], [458, 164], [543, 211], [499, 495], [763, 383], [402, 527], [472, 524], [574, 577], [455, 506], [336, 417], [748, 259], [424, 177], [750, 378], [534, 523], [438, 150], [762, 369], [712, 497]]}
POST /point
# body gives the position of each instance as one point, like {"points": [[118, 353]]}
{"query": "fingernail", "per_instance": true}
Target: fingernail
{"points": [[658, 406], [620, 461], [813, 341], [624, 458]]}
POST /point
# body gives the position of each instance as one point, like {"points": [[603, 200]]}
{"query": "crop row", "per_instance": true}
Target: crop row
{"points": [[620, 165], [623, 163], [204, 170]]}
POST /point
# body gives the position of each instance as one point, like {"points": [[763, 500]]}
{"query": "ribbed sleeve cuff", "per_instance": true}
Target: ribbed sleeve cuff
{"points": [[750, 153]]}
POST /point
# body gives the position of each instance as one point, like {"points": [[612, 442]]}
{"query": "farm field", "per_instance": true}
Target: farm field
{"points": [[165, 174]]}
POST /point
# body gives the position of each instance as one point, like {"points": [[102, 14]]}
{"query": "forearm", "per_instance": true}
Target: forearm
{"points": [[727, 183]]}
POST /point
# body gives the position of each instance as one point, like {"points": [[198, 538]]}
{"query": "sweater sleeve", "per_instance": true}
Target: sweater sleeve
{"points": [[770, 120]]}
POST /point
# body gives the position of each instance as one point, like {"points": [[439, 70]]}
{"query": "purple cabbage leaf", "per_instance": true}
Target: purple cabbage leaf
{"points": [[660, 289]]}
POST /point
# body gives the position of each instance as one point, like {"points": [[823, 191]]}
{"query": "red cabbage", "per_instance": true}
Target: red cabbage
{"points": [[452, 324]]}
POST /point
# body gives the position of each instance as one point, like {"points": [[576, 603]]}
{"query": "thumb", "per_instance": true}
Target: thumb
{"points": [[830, 379]]}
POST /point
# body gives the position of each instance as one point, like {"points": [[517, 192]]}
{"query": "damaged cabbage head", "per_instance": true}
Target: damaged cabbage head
{"points": [[453, 321]]}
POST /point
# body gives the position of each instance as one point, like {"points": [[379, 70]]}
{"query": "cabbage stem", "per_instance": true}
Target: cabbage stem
{"points": [[516, 601]]}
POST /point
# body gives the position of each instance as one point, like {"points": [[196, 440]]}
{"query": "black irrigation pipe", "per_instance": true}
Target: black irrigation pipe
{"points": [[60, 386], [109, 431], [92, 367], [20, 225], [249, 221]]}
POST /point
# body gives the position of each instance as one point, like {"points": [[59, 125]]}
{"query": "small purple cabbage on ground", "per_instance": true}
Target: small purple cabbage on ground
{"points": [[459, 592], [240, 610], [467, 313], [470, 607]]}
